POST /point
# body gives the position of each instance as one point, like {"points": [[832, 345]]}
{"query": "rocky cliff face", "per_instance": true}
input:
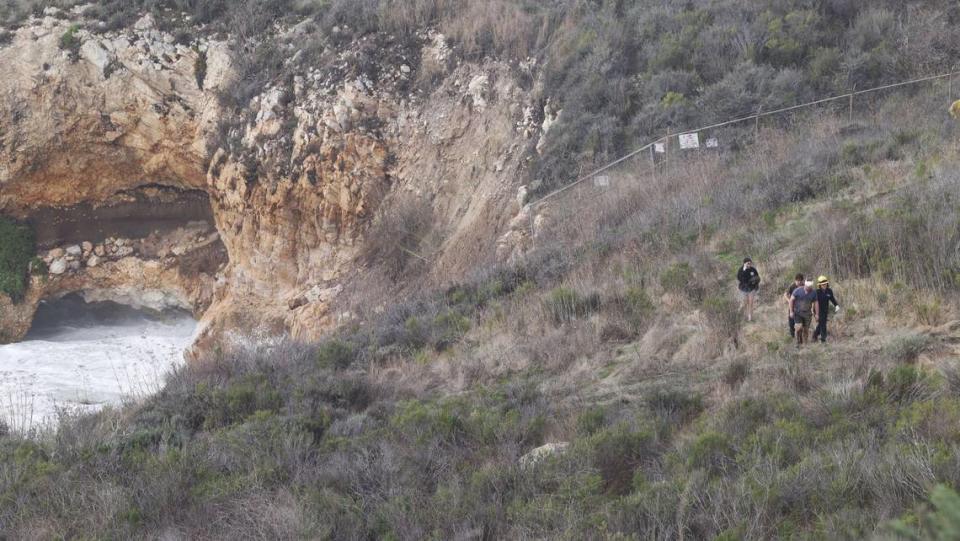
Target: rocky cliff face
{"points": [[293, 181]]}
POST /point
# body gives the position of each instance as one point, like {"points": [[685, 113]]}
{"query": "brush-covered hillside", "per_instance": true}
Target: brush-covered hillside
{"points": [[595, 379]]}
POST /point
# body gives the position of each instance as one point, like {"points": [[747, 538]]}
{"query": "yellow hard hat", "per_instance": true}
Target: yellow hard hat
{"points": [[955, 109], [823, 280]]}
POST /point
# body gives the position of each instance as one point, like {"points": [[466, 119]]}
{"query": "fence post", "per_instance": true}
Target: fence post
{"points": [[756, 123], [666, 153], [653, 160], [950, 88], [850, 113]]}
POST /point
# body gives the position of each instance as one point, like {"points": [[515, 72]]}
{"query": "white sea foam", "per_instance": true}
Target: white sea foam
{"points": [[88, 364]]}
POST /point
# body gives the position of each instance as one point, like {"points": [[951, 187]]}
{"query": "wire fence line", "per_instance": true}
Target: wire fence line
{"points": [[849, 96]]}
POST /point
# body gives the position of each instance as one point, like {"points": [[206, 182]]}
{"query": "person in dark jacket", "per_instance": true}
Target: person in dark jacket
{"points": [[748, 283], [824, 298], [791, 322]]}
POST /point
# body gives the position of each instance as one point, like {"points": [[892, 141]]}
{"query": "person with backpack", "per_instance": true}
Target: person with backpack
{"points": [[803, 309], [797, 283], [824, 298], [748, 283]]}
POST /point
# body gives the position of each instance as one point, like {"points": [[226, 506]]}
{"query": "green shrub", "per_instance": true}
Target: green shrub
{"points": [[711, 451], [426, 421], [564, 304], [241, 399], [632, 309], [16, 252], [723, 318], [907, 349], [449, 327], [617, 451], [939, 524], [677, 278], [637, 303], [675, 406], [783, 441], [70, 42], [736, 372], [591, 421], [907, 383], [335, 354]]}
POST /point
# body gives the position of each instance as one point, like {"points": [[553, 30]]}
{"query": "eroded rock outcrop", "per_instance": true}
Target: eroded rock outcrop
{"points": [[90, 128], [294, 181]]}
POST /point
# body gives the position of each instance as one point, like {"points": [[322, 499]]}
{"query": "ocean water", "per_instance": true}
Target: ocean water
{"points": [[81, 356]]}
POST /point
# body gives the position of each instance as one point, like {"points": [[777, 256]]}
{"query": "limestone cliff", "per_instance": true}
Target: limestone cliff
{"points": [[294, 181]]}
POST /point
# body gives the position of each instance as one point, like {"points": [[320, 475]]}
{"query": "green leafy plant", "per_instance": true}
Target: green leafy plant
{"points": [[942, 523], [16, 251], [70, 42]]}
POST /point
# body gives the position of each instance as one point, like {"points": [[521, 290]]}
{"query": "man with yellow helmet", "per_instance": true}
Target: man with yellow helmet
{"points": [[824, 298]]}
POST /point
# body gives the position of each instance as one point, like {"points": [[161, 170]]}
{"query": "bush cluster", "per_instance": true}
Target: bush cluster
{"points": [[17, 250]]}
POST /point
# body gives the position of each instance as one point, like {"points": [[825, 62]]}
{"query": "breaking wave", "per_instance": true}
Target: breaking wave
{"points": [[82, 357]]}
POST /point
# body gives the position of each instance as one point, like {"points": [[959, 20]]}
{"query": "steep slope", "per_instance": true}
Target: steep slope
{"points": [[574, 370]]}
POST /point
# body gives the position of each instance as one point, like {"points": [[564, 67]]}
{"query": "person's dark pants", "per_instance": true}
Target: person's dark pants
{"points": [[821, 330], [792, 323]]}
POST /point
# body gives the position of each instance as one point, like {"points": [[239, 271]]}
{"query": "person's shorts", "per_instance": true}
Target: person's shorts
{"points": [[803, 319], [744, 295]]}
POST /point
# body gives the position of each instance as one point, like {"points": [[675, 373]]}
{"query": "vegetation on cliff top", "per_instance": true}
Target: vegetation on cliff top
{"points": [[622, 71]]}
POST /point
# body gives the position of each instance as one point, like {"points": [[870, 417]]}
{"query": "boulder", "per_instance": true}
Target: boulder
{"points": [[74, 250], [56, 253], [74, 265], [477, 90], [93, 261], [99, 250], [93, 52], [87, 246], [146, 22], [542, 452], [59, 266]]}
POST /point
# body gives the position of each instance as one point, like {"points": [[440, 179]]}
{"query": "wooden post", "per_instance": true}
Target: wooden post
{"points": [[950, 88], [850, 114], [756, 123]]}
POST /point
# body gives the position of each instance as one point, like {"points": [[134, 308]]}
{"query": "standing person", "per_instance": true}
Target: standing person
{"points": [[748, 282], [803, 308], [824, 298], [797, 282]]}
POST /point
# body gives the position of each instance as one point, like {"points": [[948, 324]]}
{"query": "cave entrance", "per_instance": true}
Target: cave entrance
{"points": [[129, 214], [84, 356], [71, 316]]}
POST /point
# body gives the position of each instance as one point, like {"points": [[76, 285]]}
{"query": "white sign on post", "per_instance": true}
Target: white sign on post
{"points": [[601, 181], [659, 148], [690, 140], [713, 143]]}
